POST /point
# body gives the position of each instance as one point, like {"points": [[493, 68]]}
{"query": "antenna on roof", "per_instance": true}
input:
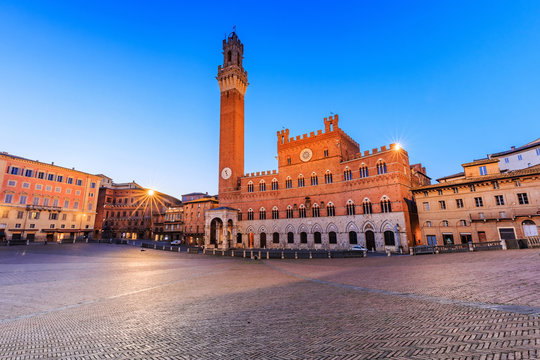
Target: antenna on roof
{"points": [[234, 28]]}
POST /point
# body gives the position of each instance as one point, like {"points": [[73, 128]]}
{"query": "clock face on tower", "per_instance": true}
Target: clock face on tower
{"points": [[226, 173], [306, 154]]}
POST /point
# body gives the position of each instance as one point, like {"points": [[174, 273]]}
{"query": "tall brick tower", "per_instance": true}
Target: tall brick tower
{"points": [[232, 79]]}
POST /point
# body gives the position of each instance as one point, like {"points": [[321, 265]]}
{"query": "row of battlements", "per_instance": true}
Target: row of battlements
{"points": [[261, 173], [330, 125], [375, 151]]}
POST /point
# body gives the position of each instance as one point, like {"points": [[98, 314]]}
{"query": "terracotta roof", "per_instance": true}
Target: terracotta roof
{"points": [[43, 163], [521, 148], [480, 162], [209, 198], [459, 174], [506, 175]]}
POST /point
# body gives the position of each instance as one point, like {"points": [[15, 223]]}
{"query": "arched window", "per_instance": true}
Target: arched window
{"points": [[330, 209], [386, 205], [289, 212], [290, 237], [303, 237], [250, 186], [262, 186], [275, 213], [317, 237], [262, 214], [367, 207], [332, 237], [381, 167], [328, 177], [250, 214], [229, 56], [274, 184], [389, 238], [314, 179], [347, 174], [350, 207], [238, 238], [445, 223], [302, 211], [288, 182], [353, 237], [275, 238], [364, 172], [315, 210], [300, 180], [239, 216]]}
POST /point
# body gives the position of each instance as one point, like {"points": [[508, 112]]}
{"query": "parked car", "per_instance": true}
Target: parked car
{"points": [[358, 248], [176, 242]]}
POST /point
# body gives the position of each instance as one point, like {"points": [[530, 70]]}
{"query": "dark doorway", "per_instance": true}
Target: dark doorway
{"points": [[317, 237], [290, 237], [389, 238], [332, 237], [370, 240], [263, 240], [303, 237], [275, 238]]}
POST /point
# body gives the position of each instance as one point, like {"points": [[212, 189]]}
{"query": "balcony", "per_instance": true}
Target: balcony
{"points": [[43, 208]]}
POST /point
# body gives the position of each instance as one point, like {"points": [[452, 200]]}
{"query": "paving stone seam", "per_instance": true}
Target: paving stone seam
{"points": [[516, 309], [112, 297]]}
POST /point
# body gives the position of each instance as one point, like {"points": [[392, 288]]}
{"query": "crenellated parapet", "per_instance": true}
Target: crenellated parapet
{"points": [[378, 151]]}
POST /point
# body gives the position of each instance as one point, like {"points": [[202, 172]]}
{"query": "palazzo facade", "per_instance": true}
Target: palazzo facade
{"points": [[325, 194]]}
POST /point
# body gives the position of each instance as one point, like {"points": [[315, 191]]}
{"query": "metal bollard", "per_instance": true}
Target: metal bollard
{"points": [[244, 253], [267, 255], [329, 255], [282, 255], [310, 256], [296, 255]]}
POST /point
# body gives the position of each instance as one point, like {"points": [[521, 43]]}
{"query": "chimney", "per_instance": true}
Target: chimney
{"points": [[513, 148]]}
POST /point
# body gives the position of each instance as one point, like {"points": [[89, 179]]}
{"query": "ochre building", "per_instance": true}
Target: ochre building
{"points": [[40, 201], [325, 194], [481, 204]]}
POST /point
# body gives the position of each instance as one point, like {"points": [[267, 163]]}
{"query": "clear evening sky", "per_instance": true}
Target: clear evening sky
{"points": [[128, 88]]}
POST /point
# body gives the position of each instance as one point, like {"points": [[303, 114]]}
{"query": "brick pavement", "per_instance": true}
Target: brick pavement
{"points": [[107, 301]]}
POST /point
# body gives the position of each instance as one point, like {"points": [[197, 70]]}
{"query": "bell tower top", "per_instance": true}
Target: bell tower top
{"points": [[232, 74]]}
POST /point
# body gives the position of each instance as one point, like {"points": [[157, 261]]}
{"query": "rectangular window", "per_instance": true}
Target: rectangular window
{"points": [[50, 177], [32, 226], [79, 182], [23, 199], [48, 188], [483, 170], [26, 185], [478, 201], [442, 204], [11, 183], [59, 178], [53, 216], [39, 186], [93, 185], [45, 202], [439, 191], [14, 171], [20, 214], [499, 200], [459, 203], [326, 152], [455, 190], [472, 187], [34, 215], [55, 202], [8, 198], [77, 192], [68, 191], [17, 226], [495, 184], [90, 206], [92, 194], [69, 180], [35, 200], [538, 151], [57, 189], [28, 173], [64, 216], [523, 199], [40, 175], [66, 204], [288, 183], [426, 206], [520, 157], [431, 240]]}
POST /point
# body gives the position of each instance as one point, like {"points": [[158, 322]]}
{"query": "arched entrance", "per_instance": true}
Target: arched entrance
{"points": [[529, 228], [216, 232], [263, 240], [370, 240], [251, 239]]}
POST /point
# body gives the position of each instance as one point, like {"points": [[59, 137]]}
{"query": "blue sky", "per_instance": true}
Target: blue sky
{"points": [[128, 88]]}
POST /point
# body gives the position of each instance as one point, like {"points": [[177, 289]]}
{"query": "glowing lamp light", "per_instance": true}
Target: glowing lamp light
{"points": [[150, 192]]}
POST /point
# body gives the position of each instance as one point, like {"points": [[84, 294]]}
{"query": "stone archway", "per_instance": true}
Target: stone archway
{"points": [[529, 228], [216, 232], [370, 240]]}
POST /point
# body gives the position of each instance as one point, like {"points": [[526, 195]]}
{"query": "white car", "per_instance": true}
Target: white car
{"points": [[358, 248], [176, 242]]}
